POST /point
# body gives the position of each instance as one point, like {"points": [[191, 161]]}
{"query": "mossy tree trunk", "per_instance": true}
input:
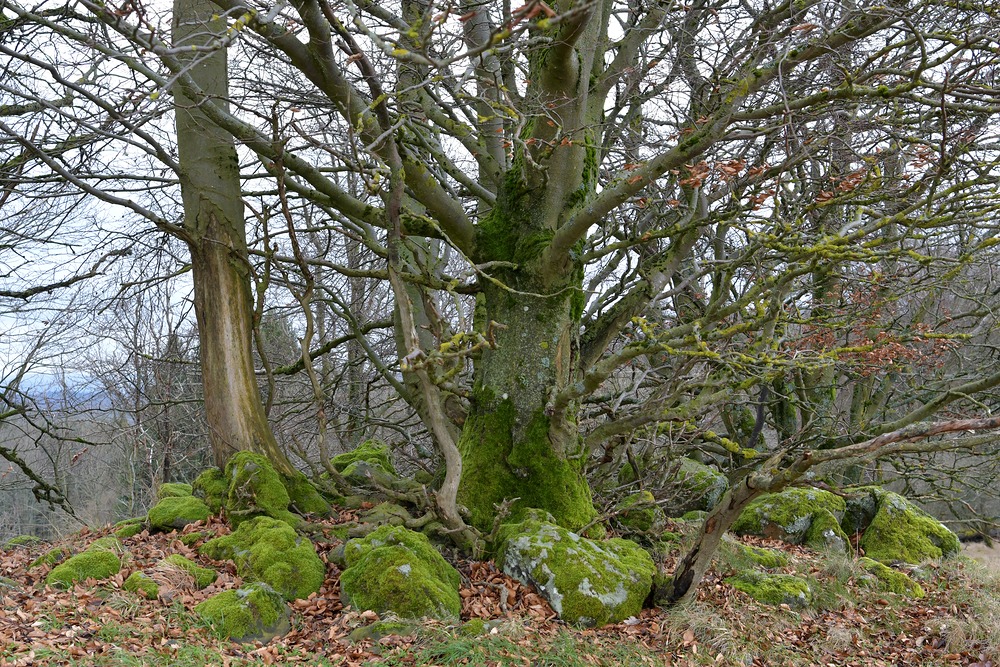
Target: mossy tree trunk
{"points": [[215, 233]]}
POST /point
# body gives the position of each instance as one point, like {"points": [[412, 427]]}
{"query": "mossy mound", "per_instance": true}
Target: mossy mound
{"points": [[773, 588], [203, 576], [796, 516], [741, 557], [372, 452], [173, 490], [97, 562], [639, 513], [387, 514], [397, 570], [270, 551], [53, 556], [211, 486], [23, 541], [256, 489], [587, 582], [892, 580], [253, 613], [142, 584], [898, 530], [175, 512], [303, 496], [696, 487], [129, 528]]}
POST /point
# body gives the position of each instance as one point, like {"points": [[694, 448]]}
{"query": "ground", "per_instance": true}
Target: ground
{"points": [[100, 624]]}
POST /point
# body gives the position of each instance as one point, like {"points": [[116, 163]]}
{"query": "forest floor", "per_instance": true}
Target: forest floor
{"points": [[98, 623]]}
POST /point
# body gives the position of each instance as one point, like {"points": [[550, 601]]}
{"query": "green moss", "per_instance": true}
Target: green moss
{"points": [[129, 527], [387, 628], [892, 580], [252, 613], [702, 483], [203, 576], [825, 533], [397, 570], [373, 452], [23, 541], [189, 539], [268, 550], [900, 531], [91, 564], [173, 490], [739, 556], [495, 468], [789, 515], [211, 486], [773, 588], [640, 513], [474, 627], [256, 489], [108, 543], [304, 497], [387, 513], [51, 557], [139, 582], [588, 583], [175, 512]]}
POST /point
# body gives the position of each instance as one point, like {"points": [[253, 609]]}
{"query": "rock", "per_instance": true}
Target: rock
{"points": [[53, 556], [270, 551], [387, 513], [891, 580], [303, 496], [256, 489], [141, 583], [796, 516], [372, 452], [173, 490], [587, 582], [129, 527], [773, 588], [696, 486], [23, 541], [639, 513], [740, 556], [175, 512], [398, 570], [203, 576], [894, 529], [255, 612], [211, 486], [99, 561]]}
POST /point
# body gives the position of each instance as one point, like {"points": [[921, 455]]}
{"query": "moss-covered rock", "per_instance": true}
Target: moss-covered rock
{"points": [[175, 512], [372, 452], [773, 588], [129, 527], [696, 487], [474, 627], [639, 513], [739, 557], [270, 551], [825, 533], [398, 570], [203, 576], [91, 564], [173, 490], [211, 486], [53, 556], [142, 584], [253, 613], [387, 513], [256, 489], [106, 543], [303, 496], [385, 628], [901, 531], [588, 583], [23, 541], [891, 580], [789, 516]]}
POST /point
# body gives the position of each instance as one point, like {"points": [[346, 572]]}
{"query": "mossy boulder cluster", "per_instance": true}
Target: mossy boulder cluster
{"points": [[397, 570], [891, 528], [99, 561], [587, 582]]}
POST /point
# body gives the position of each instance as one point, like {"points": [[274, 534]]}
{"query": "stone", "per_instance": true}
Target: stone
{"points": [[796, 516], [891, 580], [175, 512], [372, 452], [895, 530], [99, 561], [173, 490], [256, 489], [255, 612], [696, 486], [202, 576], [143, 584], [774, 589], [211, 486], [639, 513]]}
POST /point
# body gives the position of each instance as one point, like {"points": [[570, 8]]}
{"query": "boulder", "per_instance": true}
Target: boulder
{"points": [[895, 530], [773, 589], [202, 576], [23, 541], [372, 452], [887, 579], [639, 513], [255, 489], [255, 612], [99, 561], [143, 584], [797, 516], [695, 486], [270, 551], [175, 512], [398, 570], [173, 490], [129, 527], [211, 486], [587, 582]]}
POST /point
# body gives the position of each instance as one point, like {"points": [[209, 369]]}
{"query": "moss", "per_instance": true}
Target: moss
{"points": [[373, 452], [739, 556], [474, 627], [91, 564], [640, 513], [397, 570], [108, 543], [900, 531], [304, 497], [139, 582], [825, 533], [268, 550], [173, 490], [252, 613], [387, 628], [23, 541], [495, 468], [588, 583], [773, 588], [892, 580], [203, 576], [789, 515], [189, 539], [694, 515], [387, 513], [51, 557], [174, 512], [706, 485], [211, 486], [129, 528], [256, 489]]}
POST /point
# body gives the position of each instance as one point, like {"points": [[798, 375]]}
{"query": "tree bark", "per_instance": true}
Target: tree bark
{"points": [[216, 236]]}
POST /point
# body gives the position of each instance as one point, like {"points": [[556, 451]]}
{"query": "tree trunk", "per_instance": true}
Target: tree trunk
{"points": [[213, 220]]}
